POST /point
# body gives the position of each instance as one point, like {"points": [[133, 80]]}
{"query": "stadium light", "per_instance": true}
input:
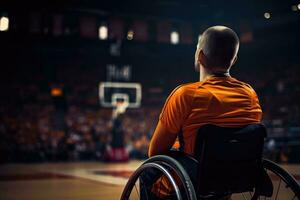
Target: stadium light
{"points": [[103, 32], [267, 15], [294, 8], [174, 36], [130, 35], [4, 23]]}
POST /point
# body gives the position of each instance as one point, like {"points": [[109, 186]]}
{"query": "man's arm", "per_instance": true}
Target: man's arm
{"points": [[162, 141], [176, 109]]}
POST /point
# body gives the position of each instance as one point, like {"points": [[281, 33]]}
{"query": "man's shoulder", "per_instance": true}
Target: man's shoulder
{"points": [[244, 84], [183, 92], [187, 88]]}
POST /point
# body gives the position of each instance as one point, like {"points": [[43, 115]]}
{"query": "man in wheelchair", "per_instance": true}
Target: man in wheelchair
{"points": [[217, 98], [209, 139]]}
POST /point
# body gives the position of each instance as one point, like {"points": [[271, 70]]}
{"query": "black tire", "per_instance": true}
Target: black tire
{"points": [[135, 176], [284, 175], [179, 170], [167, 163]]}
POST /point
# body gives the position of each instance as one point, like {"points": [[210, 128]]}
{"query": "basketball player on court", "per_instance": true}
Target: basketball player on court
{"points": [[217, 98]]}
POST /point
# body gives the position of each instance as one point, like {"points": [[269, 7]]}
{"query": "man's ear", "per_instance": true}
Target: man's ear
{"points": [[234, 61], [203, 59]]}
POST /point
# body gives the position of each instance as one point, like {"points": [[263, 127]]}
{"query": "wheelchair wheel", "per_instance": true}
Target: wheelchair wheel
{"points": [[137, 188], [285, 186], [154, 168]]}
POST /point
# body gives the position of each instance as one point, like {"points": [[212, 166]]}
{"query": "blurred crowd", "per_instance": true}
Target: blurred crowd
{"points": [[39, 133], [278, 89], [34, 128]]}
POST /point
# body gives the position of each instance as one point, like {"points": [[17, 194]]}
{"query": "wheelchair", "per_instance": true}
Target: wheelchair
{"points": [[227, 164]]}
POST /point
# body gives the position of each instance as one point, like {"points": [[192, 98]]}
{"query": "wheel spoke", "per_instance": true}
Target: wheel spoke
{"points": [[278, 189], [136, 189], [244, 196]]}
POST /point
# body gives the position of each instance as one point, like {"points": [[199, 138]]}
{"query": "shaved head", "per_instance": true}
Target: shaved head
{"points": [[220, 45]]}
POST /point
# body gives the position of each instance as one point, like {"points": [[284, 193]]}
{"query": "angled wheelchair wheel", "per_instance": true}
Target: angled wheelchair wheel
{"points": [[284, 184], [140, 184], [137, 187], [285, 187], [181, 176]]}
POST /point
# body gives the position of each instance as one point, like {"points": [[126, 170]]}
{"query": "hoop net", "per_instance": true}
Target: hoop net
{"points": [[120, 107]]}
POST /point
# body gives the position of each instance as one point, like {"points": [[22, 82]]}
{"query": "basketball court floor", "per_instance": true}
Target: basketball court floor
{"points": [[71, 181]]}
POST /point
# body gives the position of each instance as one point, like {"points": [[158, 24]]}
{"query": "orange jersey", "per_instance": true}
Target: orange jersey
{"points": [[222, 101]]}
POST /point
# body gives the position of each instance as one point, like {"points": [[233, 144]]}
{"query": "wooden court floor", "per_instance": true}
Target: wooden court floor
{"points": [[64, 181], [70, 181]]}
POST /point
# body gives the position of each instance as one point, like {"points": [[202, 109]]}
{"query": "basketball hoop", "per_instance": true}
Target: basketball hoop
{"points": [[119, 108], [112, 92], [120, 96]]}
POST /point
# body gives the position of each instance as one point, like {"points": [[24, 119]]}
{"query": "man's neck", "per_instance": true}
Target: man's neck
{"points": [[205, 74]]}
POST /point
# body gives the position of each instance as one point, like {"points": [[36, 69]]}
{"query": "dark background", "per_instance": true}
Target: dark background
{"points": [[56, 45]]}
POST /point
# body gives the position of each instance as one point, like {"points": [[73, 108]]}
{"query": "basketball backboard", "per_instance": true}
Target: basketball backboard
{"points": [[110, 93]]}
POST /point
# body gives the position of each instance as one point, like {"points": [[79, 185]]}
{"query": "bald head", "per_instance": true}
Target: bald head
{"points": [[220, 45]]}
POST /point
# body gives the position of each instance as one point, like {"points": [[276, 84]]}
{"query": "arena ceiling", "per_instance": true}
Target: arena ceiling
{"points": [[175, 9]]}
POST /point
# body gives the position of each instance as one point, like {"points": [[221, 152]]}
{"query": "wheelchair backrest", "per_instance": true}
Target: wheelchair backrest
{"points": [[229, 158]]}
